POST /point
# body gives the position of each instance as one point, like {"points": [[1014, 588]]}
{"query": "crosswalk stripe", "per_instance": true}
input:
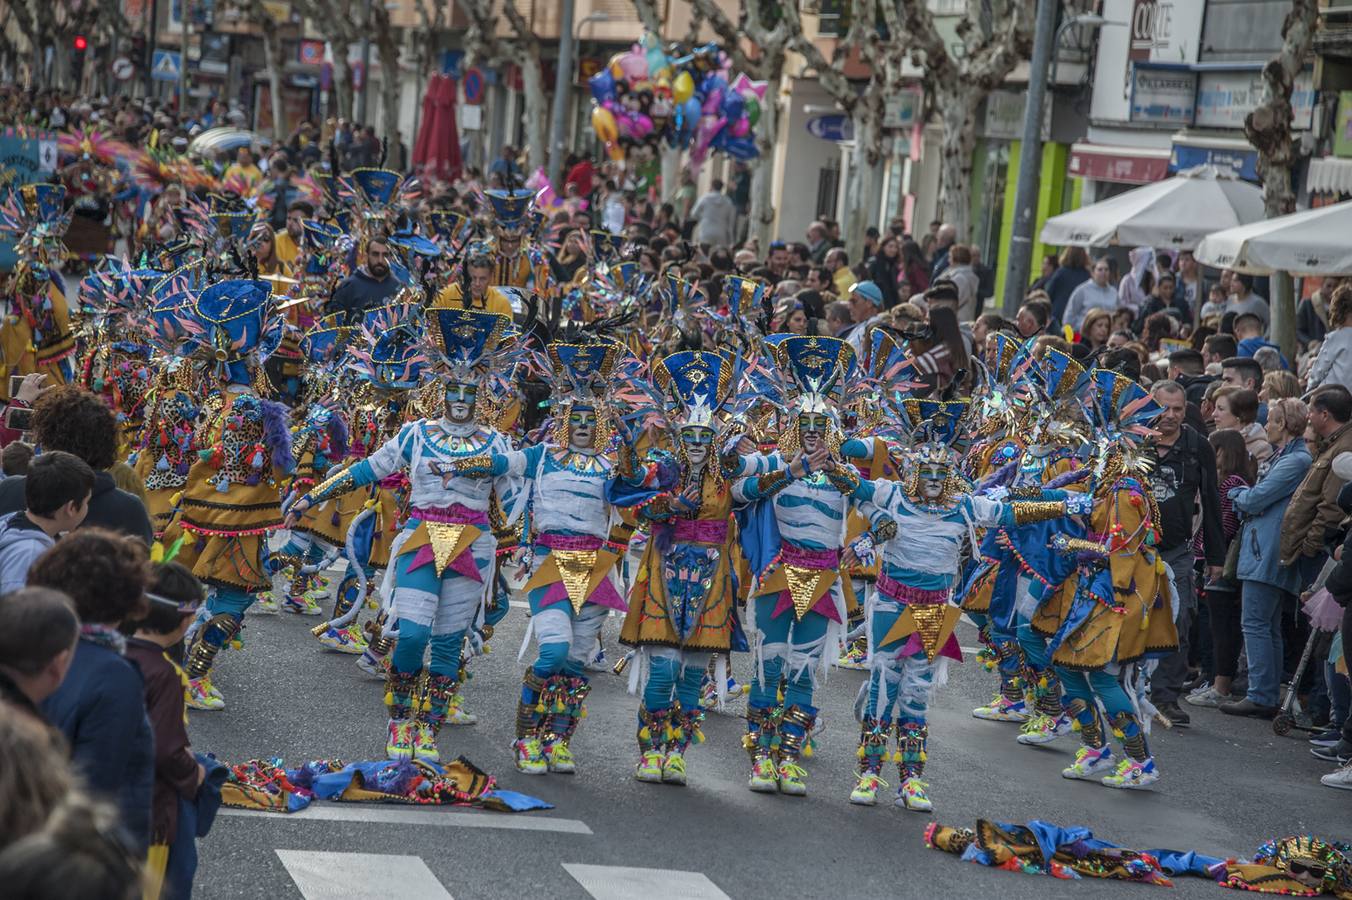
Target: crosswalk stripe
{"points": [[321, 875], [626, 883], [386, 815]]}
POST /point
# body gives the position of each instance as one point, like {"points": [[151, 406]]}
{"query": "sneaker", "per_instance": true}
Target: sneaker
{"points": [[1176, 716], [1043, 729], [400, 744], [854, 657], [201, 695], [792, 780], [374, 665], [264, 603], [1209, 698], [673, 768], [911, 795], [559, 759], [302, 606], [530, 757], [1247, 707], [425, 743], [1133, 774], [1339, 753], [865, 793], [1091, 763], [1341, 779], [1327, 738], [735, 688], [457, 715], [649, 767], [598, 661], [1002, 710], [341, 639], [764, 776]]}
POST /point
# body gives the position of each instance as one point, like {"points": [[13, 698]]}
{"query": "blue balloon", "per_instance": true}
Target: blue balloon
{"points": [[739, 148], [692, 110], [712, 82], [733, 105], [602, 85]]}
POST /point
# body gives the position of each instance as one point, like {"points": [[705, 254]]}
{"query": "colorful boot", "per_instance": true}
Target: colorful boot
{"points": [[530, 714], [400, 691], [560, 725], [437, 696], [683, 728], [1137, 768], [912, 740], [855, 655], [375, 660], [347, 638], [872, 753], [794, 724], [214, 634], [1094, 759], [652, 725], [759, 741], [1009, 704], [457, 714], [300, 599]]}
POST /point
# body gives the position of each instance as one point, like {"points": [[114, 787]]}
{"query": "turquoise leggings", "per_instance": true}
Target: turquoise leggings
{"points": [[785, 640], [674, 675]]}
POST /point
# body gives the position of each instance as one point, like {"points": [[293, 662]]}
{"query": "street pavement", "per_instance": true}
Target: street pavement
{"points": [[1228, 784]]}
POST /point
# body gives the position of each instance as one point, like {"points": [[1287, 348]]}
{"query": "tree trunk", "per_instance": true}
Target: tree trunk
{"points": [[537, 111], [390, 83], [272, 56], [761, 213], [342, 81], [957, 105], [866, 170]]}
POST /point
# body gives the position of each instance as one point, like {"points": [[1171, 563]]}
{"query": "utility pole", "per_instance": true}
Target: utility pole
{"points": [[1020, 250], [563, 79], [184, 10], [365, 63]]}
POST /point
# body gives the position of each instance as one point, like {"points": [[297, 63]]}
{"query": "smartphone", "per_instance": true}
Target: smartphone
{"points": [[19, 419], [15, 382]]}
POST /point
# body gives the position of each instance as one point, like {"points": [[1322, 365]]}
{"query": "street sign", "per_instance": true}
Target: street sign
{"points": [[122, 68], [166, 65], [311, 53], [474, 86], [26, 156], [836, 127]]}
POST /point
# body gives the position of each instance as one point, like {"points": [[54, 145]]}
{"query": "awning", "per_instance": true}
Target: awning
{"points": [[1125, 165], [1330, 175], [1234, 155]]}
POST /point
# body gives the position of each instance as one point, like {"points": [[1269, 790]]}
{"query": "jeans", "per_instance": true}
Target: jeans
{"points": [[1261, 621], [1167, 684]]}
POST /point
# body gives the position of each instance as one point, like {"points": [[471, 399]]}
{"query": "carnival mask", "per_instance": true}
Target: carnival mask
{"points": [[931, 479], [582, 428], [696, 440], [460, 402]]}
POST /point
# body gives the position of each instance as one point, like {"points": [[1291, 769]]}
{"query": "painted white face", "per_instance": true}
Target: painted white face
{"points": [[460, 403], [930, 480], [812, 429], [582, 428], [696, 441]]}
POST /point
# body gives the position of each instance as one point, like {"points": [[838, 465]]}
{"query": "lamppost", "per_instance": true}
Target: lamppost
{"points": [[1044, 63], [563, 78]]}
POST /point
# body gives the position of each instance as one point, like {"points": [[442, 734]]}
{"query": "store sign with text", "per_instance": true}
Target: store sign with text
{"points": [[1162, 95], [1225, 98]]}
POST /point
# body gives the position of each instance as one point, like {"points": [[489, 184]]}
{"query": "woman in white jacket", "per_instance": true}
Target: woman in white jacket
{"points": [[1333, 365]]}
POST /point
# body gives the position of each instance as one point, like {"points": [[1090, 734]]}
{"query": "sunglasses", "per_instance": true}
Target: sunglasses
{"points": [[187, 606], [1315, 871]]}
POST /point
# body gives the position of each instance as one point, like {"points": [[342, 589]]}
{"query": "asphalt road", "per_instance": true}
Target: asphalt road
{"points": [[1227, 786]]}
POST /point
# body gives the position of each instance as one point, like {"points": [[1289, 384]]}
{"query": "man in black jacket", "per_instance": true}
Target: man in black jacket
{"points": [[72, 419], [1185, 472], [369, 287], [1339, 585]]}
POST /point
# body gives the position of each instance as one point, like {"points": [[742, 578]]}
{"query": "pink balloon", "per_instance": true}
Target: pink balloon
{"points": [[740, 127], [643, 126], [709, 126], [635, 67], [713, 101]]}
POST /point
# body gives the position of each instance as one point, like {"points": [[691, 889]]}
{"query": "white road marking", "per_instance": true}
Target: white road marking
{"points": [[393, 815], [321, 875], [625, 883]]}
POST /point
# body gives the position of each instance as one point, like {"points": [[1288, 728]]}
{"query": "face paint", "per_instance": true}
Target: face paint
{"points": [[696, 442], [931, 480], [460, 402], [582, 429]]}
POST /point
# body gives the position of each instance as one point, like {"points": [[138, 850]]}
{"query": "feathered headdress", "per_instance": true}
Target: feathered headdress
{"points": [[818, 370], [581, 375], [387, 350], [469, 344], [34, 218], [233, 317], [1121, 412], [510, 209], [694, 385]]}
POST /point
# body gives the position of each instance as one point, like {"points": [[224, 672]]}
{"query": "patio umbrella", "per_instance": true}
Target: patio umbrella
{"points": [[1311, 242], [1175, 213], [444, 151], [425, 131]]}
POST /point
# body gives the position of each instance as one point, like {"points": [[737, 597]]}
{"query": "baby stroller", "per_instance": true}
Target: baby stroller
{"points": [[1325, 617]]}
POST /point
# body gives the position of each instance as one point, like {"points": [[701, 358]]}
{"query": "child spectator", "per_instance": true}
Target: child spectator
{"points": [[56, 499], [14, 459]]}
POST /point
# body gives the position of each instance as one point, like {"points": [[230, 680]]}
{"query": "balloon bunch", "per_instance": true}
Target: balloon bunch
{"points": [[644, 96]]}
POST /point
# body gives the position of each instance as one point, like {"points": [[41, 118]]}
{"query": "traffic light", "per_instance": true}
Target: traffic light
{"points": [[77, 58]]}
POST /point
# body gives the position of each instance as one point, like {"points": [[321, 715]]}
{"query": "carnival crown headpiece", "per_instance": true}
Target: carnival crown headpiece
{"points": [[1058, 375], [449, 227], [323, 342], [1123, 410], [375, 188], [233, 317], [936, 427], [745, 296], [409, 242], [510, 208], [606, 246], [818, 370], [33, 215], [680, 296], [387, 351], [694, 385], [581, 373], [466, 341]]}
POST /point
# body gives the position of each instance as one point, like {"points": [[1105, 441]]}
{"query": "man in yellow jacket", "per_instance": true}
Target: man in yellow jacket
{"points": [[482, 295]]}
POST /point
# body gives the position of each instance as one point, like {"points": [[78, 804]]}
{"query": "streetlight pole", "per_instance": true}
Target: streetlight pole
{"points": [[1042, 71], [563, 80], [365, 63]]}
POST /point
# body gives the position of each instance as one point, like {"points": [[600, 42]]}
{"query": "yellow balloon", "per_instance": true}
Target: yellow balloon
{"points": [[683, 88], [615, 151], [603, 123]]}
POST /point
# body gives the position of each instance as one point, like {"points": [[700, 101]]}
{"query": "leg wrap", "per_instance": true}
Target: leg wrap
{"points": [[438, 692], [345, 596], [530, 713], [762, 727], [1086, 722], [401, 689], [218, 631], [564, 697], [1046, 689], [683, 728], [912, 738], [872, 745], [794, 725], [652, 724], [1127, 730], [379, 647], [1009, 657]]}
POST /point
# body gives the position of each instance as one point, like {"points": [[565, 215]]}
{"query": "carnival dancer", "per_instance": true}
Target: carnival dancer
{"points": [[911, 617], [794, 542], [444, 556], [117, 335], [232, 500], [1117, 608], [36, 334], [682, 602], [575, 538]]}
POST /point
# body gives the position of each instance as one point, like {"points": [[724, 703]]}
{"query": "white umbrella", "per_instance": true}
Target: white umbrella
{"points": [[1175, 213], [1312, 242]]}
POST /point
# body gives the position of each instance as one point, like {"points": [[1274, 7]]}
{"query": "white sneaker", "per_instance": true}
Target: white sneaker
{"points": [[1341, 779], [1210, 699], [1043, 729], [1091, 764]]}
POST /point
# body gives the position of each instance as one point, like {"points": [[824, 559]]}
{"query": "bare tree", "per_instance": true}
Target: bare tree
{"points": [[255, 12], [387, 48], [338, 21], [995, 35], [521, 46], [1268, 129]]}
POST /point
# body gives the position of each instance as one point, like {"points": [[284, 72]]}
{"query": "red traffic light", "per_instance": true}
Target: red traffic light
{"points": [[80, 42]]}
